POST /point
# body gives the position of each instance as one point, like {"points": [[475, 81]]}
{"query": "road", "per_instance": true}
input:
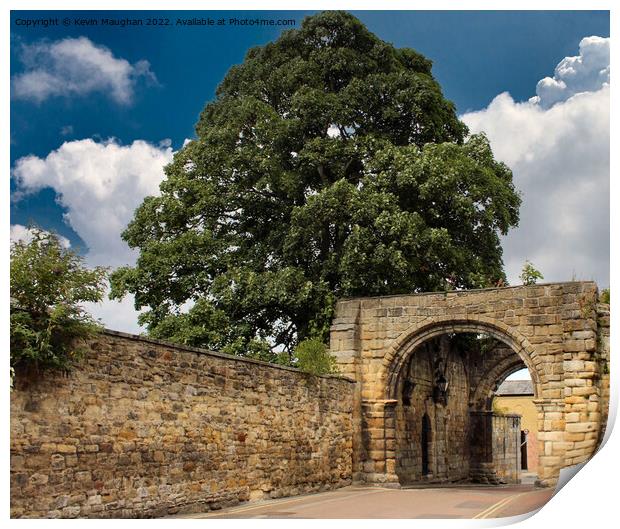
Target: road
{"points": [[377, 502]]}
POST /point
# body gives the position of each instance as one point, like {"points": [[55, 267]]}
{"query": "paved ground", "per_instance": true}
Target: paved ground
{"points": [[377, 502]]}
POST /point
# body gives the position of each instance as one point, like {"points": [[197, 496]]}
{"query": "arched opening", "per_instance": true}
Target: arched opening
{"points": [[515, 395], [445, 427], [401, 350]]}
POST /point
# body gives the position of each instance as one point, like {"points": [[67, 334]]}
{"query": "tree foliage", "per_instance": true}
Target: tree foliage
{"points": [[48, 284], [328, 165]]}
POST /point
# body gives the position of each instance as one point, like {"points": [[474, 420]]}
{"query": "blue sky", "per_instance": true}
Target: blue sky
{"points": [[477, 56]]}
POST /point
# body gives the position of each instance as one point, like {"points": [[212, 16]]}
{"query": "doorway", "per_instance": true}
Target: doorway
{"points": [[426, 438], [523, 450]]}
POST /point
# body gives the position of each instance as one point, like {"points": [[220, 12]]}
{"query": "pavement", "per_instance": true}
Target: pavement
{"points": [[463, 501]]}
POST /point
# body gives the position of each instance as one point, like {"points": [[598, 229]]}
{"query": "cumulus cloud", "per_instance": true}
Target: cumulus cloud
{"points": [[100, 184], [76, 66], [116, 315], [586, 72], [558, 149], [24, 234]]}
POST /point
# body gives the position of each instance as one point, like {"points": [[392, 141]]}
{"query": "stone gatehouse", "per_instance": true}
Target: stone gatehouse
{"points": [[422, 408]]}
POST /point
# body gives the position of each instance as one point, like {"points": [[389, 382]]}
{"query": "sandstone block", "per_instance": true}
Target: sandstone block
{"points": [[580, 427], [66, 449]]}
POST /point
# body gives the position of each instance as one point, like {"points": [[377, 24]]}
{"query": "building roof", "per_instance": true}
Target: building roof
{"points": [[515, 387]]}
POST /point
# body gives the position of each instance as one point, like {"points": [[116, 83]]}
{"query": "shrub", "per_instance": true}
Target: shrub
{"points": [[604, 297], [48, 284], [313, 357], [529, 274]]}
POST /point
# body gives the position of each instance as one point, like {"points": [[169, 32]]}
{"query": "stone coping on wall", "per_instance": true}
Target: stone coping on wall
{"points": [[216, 354], [468, 291]]}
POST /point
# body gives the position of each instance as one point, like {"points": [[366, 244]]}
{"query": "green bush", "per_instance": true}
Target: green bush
{"points": [[529, 274], [48, 284], [313, 357]]}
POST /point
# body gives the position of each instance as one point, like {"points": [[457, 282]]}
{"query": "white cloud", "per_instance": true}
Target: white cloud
{"points": [[559, 155], [116, 315], [76, 66], [24, 234], [586, 72], [100, 185]]}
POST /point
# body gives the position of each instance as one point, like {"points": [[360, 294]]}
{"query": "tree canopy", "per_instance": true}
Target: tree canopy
{"points": [[328, 165]]}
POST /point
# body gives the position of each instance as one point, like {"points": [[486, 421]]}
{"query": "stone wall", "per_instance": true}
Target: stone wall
{"points": [[142, 428], [603, 345]]}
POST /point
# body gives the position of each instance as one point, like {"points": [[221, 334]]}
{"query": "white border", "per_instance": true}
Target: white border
{"points": [[587, 501]]}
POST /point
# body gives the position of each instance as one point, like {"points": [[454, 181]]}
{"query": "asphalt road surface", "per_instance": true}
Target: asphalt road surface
{"points": [[377, 502]]}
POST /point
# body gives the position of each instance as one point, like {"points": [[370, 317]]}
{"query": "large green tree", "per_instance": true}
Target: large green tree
{"points": [[328, 165]]}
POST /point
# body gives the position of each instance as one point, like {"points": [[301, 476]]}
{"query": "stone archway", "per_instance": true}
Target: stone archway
{"points": [[397, 354], [491, 378], [552, 328], [465, 441]]}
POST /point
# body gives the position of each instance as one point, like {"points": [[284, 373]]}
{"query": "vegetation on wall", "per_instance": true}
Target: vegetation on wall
{"points": [[328, 165], [48, 284], [529, 274], [604, 296]]}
